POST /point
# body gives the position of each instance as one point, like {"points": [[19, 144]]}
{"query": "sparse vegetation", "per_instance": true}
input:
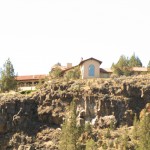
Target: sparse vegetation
{"points": [[27, 91], [55, 73], [88, 127], [99, 117], [91, 145], [8, 76], [73, 74], [108, 134]]}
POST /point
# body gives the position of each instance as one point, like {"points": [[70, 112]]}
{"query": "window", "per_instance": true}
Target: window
{"points": [[91, 70]]}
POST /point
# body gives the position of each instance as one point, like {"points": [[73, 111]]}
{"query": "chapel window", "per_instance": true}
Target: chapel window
{"points": [[91, 70]]}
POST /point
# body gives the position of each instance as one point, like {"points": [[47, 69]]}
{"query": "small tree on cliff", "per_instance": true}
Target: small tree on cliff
{"points": [[135, 128], [144, 132], [64, 140], [73, 73], [70, 131], [55, 73], [8, 81], [91, 145]]}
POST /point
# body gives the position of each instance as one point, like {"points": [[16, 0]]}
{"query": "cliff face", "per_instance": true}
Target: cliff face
{"points": [[33, 121]]}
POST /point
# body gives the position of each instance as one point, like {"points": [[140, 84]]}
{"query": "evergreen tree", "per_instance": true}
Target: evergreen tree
{"points": [[64, 140], [148, 66], [125, 139], [8, 76], [135, 128], [117, 70], [139, 63], [122, 66], [134, 61], [144, 132], [123, 61], [73, 129], [70, 131]]}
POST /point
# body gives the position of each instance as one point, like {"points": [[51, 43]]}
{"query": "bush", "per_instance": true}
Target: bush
{"points": [[73, 74], [88, 127], [55, 73], [91, 145], [26, 92], [108, 135]]}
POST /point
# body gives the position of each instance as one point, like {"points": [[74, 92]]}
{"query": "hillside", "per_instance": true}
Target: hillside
{"points": [[34, 121]]}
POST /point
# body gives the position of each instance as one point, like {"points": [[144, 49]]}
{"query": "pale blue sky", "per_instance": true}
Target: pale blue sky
{"points": [[35, 34]]}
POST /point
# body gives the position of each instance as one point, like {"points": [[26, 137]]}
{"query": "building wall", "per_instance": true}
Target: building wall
{"points": [[105, 75], [85, 69], [28, 84], [26, 88]]}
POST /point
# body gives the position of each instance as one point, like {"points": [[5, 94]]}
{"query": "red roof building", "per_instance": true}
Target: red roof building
{"points": [[29, 82]]}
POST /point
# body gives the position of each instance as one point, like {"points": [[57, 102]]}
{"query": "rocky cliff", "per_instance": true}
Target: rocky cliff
{"points": [[34, 121]]}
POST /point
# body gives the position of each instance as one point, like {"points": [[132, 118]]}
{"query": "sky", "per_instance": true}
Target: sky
{"points": [[36, 34]]}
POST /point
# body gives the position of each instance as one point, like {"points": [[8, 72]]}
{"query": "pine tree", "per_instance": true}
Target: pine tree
{"points": [[70, 131], [144, 133], [148, 66], [122, 66], [123, 61], [135, 127], [73, 129], [124, 140], [63, 139], [117, 70], [134, 61], [8, 81]]}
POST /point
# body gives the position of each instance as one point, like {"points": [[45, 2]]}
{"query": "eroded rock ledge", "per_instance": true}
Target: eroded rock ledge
{"points": [[34, 121]]}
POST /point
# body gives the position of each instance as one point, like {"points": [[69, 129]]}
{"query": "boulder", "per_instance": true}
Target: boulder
{"points": [[106, 121]]}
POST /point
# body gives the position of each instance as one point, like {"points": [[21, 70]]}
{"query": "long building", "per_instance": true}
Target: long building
{"points": [[29, 82]]}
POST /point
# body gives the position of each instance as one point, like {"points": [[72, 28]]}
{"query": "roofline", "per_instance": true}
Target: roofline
{"points": [[63, 71], [30, 77], [89, 59], [104, 70]]}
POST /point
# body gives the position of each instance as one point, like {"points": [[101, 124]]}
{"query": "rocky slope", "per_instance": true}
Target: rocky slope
{"points": [[34, 121]]}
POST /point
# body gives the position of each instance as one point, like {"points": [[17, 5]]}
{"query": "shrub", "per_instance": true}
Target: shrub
{"points": [[55, 73], [26, 91], [73, 74], [91, 145], [108, 135]]}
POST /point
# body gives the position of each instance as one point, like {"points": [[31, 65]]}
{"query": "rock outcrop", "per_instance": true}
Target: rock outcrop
{"points": [[34, 121]]}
